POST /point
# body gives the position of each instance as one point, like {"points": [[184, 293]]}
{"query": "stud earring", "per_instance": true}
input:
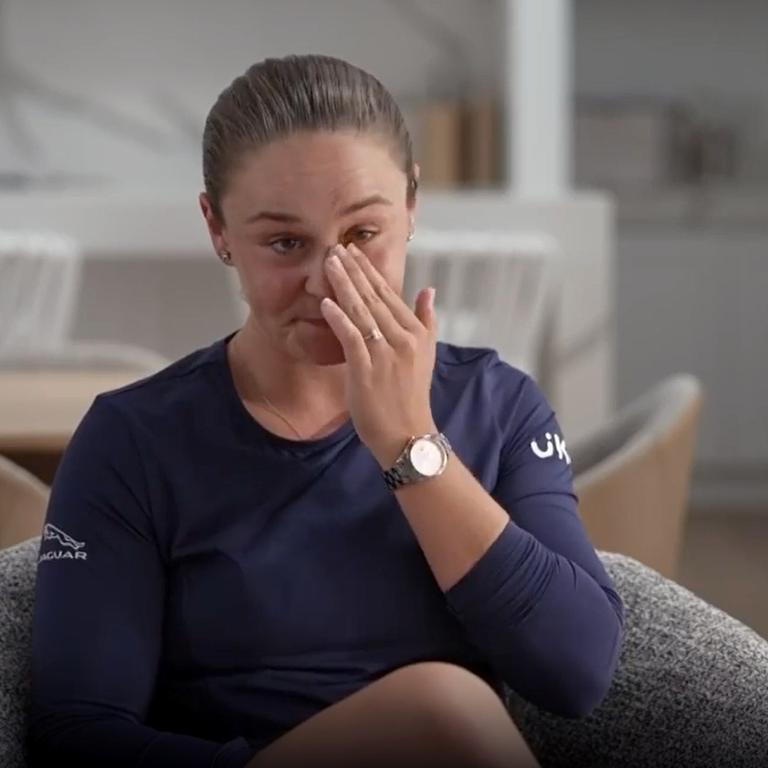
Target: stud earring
{"points": [[226, 257]]}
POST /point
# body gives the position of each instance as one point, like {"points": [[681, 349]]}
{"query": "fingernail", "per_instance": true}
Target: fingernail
{"points": [[432, 298], [337, 250]]}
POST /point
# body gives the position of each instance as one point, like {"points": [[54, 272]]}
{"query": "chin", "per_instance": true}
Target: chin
{"points": [[321, 349], [326, 354]]}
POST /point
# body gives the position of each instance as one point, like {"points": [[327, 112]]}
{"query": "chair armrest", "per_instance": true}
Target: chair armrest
{"points": [[689, 690], [18, 573]]}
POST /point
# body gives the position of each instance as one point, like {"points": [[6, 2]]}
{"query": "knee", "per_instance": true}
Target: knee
{"points": [[464, 714], [446, 691]]}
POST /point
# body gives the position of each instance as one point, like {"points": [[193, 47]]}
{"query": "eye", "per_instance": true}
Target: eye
{"points": [[364, 235], [291, 241]]}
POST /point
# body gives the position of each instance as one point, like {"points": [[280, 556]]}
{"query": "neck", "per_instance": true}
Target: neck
{"points": [[292, 386]]}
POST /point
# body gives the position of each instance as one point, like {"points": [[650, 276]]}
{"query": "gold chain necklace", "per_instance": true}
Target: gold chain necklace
{"points": [[272, 407], [277, 413]]}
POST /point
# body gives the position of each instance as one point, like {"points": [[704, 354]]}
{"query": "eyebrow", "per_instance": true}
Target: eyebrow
{"points": [[291, 218]]}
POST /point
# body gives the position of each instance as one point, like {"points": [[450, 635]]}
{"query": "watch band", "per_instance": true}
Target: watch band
{"points": [[402, 471]]}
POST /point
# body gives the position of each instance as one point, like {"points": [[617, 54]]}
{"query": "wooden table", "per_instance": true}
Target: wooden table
{"points": [[40, 409]]}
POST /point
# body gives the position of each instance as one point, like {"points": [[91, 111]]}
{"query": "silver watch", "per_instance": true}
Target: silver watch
{"points": [[424, 456]]}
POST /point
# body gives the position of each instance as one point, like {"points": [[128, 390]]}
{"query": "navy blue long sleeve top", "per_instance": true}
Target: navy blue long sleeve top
{"points": [[204, 585]]}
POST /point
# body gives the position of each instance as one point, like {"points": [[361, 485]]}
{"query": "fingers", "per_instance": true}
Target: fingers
{"points": [[356, 351], [393, 301], [355, 295]]}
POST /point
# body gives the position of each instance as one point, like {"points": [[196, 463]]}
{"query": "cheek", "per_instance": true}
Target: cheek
{"points": [[389, 259], [272, 291]]}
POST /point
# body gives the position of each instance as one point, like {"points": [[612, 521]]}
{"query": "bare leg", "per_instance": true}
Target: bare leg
{"points": [[426, 715]]}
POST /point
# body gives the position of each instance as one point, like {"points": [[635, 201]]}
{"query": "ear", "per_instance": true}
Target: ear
{"points": [[215, 226], [412, 204]]}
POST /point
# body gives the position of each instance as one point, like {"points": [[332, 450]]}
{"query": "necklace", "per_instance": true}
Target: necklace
{"points": [[265, 398], [274, 410], [277, 413]]}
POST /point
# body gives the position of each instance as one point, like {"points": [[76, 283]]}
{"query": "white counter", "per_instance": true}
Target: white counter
{"points": [[151, 276]]}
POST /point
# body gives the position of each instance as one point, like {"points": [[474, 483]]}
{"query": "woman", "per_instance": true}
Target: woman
{"points": [[254, 568]]}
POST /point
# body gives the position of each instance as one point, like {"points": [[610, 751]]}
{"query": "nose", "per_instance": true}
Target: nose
{"points": [[317, 282]]}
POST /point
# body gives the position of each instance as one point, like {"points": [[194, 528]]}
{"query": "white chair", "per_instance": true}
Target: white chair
{"points": [[494, 288], [39, 282], [40, 279]]}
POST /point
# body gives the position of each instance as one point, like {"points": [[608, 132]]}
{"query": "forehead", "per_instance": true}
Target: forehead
{"points": [[319, 169]]}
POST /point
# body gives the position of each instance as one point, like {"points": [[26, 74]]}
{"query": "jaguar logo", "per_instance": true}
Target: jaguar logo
{"points": [[52, 532]]}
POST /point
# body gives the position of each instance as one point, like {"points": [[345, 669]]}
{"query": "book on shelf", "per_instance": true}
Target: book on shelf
{"points": [[482, 161], [456, 141]]}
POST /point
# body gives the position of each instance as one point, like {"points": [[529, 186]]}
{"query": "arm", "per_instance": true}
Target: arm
{"points": [[97, 624], [518, 569]]}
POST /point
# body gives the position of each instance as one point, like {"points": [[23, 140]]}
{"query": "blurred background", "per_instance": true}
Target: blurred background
{"points": [[594, 204]]}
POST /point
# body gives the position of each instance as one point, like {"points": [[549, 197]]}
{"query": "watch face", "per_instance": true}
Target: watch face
{"points": [[426, 457]]}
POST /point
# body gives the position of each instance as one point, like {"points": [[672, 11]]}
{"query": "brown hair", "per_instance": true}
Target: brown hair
{"points": [[275, 98]]}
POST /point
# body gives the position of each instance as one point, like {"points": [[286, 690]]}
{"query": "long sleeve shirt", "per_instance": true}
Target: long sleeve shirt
{"points": [[204, 585]]}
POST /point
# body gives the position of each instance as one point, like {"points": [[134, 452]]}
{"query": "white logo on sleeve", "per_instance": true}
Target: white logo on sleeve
{"points": [[559, 446], [68, 547]]}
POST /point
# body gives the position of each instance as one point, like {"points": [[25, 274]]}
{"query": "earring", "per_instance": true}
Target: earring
{"points": [[226, 257], [410, 235]]}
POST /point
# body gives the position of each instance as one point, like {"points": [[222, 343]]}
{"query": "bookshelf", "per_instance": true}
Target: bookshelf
{"points": [[512, 135]]}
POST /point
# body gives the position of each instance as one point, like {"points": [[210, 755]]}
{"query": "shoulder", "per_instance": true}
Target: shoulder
{"points": [[178, 387], [490, 383], [456, 362]]}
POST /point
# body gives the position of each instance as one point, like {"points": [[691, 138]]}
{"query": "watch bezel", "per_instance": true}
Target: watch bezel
{"points": [[433, 440], [402, 472]]}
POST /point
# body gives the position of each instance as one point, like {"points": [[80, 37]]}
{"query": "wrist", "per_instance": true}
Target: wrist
{"points": [[387, 450], [424, 456]]}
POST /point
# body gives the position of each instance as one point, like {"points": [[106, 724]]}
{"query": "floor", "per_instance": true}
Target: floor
{"points": [[725, 561]]}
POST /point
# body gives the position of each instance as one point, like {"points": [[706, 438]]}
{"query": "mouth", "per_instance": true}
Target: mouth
{"points": [[320, 322]]}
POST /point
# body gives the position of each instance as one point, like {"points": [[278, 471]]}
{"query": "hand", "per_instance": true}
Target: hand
{"points": [[388, 380]]}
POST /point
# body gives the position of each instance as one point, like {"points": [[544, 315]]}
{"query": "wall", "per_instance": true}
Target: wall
{"points": [[164, 63], [695, 302], [691, 293], [160, 285], [710, 52]]}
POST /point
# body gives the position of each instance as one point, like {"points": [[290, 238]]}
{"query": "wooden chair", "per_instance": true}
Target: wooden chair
{"points": [[23, 503], [632, 475]]}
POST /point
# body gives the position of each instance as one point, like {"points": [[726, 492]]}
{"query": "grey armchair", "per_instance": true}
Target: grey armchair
{"points": [[689, 690]]}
